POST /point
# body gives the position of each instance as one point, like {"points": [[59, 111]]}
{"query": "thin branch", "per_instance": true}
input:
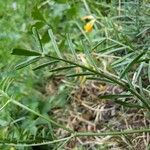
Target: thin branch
{"points": [[114, 133], [118, 81]]}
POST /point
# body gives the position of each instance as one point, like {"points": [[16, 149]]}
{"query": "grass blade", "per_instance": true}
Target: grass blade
{"points": [[71, 47], [89, 57], [27, 62], [113, 96], [108, 48], [119, 43], [79, 74], [45, 64], [131, 64], [63, 68], [98, 44], [131, 105], [51, 35], [141, 91], [37, 38], [149, 71]]}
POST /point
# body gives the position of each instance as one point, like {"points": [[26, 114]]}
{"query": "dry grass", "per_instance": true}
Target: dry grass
{"points": [[87, 112]]}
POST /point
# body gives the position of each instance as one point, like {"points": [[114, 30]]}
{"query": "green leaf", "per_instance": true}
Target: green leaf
{"points": [[138, 72], [142, 91], [98, 44], [45, 65], [99, 79], [27, 62], [71, 47], [36, 14], [108, 48], [119, 43], [122, 60], [149, 71], [114, 50], [73, 11], [113, 96], [131, 105], [37, 38], [24, 52], [89, 57], [63, 68], [51, 35], [79, 74], [45, 37], [38, 24], [131, 64]]}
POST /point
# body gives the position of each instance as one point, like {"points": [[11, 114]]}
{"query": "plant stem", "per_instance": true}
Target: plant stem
{"points": [[38, 114], [112, 132], [27, 144], [118, 81], [75, 134]]}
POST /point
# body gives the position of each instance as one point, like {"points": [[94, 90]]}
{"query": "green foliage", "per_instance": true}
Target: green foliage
{"points": [[52, 38]]}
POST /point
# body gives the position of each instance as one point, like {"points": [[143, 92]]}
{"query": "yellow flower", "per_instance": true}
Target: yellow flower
{"points": [[89, 26]]}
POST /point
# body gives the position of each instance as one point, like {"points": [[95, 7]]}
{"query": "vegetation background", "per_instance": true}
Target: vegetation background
{"points": [[81, 77]]}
